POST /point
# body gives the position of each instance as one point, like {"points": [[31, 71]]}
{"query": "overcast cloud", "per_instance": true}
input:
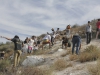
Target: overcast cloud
{"points": [[34, 17]]}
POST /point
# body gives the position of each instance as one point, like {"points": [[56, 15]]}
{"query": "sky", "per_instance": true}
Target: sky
{"points": [[35, 17]]}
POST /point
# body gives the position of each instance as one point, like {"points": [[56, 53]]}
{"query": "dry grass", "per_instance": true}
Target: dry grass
{"points": [[68, 52], [8, 54], [36, 71], [61, 64], [94, 69], [73, 57], [91, 53], [39, 52], [28, 71], [4, 64]]}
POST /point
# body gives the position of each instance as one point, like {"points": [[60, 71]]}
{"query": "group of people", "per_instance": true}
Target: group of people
{"points": [[50, 38], [30, 44], [76, 41], [35, 43]]}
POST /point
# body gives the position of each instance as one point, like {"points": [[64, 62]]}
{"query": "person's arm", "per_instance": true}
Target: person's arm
{"points": [[6, 38], [80, 46], [80, 43]]}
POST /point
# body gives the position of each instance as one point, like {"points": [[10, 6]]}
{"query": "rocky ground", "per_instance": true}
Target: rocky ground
{"points": [[77, 68]]}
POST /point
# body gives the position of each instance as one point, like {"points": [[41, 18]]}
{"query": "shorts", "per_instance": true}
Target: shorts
{"points": [[45, 41], [30, 48]]}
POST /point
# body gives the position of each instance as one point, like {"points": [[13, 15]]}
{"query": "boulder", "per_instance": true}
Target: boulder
{"points": [[33, 60]]}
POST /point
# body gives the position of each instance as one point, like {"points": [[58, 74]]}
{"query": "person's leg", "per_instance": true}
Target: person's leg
{"points": [[18, 57], [62, 44], [97, 34], [49, 45], [38, 46], [32, 50], [29, 50], [73, 47], [42, 46], [77, 47], [15, 58], [52, 40], [89, 37]]}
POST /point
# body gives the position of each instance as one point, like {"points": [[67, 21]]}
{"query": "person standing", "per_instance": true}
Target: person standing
{"points": [[17, 49], [68, 31], [53, 35], [38, 42], [76, 41], [57, 31], [68, 34], [88, 33], [31, 44], [98, 28]]}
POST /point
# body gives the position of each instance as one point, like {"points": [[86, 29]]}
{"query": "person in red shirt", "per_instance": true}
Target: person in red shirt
{"points": [[98, 28]]}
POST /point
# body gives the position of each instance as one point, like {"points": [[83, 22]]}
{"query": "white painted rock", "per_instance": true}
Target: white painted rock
{"points": [[60, 50], [32, 60]]}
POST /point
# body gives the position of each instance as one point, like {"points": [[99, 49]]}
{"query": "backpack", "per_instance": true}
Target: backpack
{"points": [[19, 46]]}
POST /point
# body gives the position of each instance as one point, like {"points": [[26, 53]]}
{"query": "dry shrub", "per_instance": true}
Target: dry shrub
{"points": [[94, 69], [4, 64], [69, 52], [61, 64], [8, 54], [36, 71], [91, 53], [69, 64], [73, 57]]}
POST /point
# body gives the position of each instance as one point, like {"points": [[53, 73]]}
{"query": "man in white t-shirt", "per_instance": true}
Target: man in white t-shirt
{"points": [[46, 40], [31, 44]]}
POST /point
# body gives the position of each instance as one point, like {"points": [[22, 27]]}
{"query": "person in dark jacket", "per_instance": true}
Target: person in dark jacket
{"points": [[76, 41], [17, 49]]}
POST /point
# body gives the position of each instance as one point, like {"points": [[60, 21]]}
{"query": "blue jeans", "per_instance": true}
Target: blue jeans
{"points": [[76, 43]]}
